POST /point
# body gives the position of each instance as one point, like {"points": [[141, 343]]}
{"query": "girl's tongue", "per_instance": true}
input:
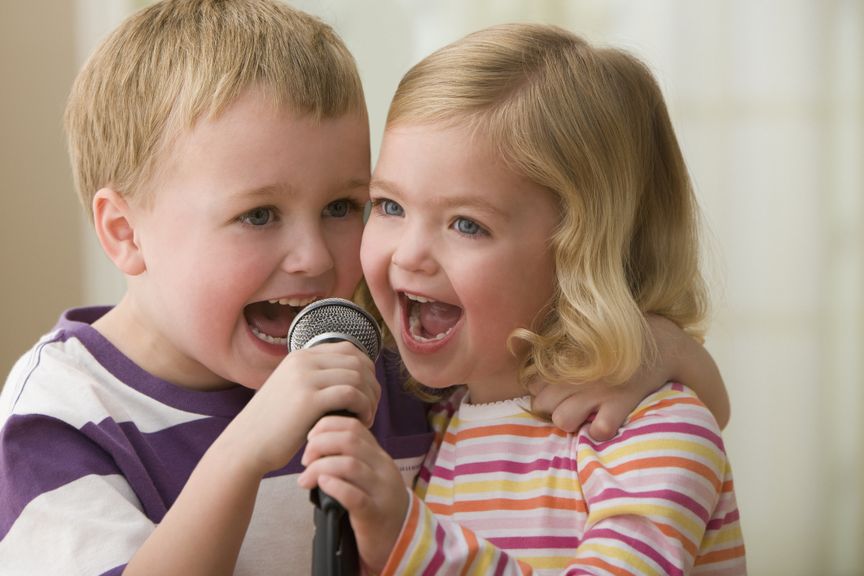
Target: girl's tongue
{"points": [[432, 320]]}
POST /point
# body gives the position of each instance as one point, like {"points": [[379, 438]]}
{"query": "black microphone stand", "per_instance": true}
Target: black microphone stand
{"points": [[334, 549]]}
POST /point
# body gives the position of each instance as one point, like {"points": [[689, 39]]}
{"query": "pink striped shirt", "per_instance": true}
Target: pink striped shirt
{"points": [[505, 492]]}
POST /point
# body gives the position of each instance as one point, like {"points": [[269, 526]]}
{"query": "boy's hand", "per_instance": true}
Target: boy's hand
{"points": [[679, 358], [572, 405], [345, 460], [307, 385]]}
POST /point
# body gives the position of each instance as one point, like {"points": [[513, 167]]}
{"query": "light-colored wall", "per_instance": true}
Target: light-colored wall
{"points": [[40, 247], [767, 100]]}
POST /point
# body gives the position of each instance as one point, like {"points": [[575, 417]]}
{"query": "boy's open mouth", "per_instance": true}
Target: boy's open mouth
{"points": [[429, 320], [270, 320]]}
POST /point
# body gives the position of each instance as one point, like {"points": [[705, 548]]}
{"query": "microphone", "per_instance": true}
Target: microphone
{"points": [[334, 548]]}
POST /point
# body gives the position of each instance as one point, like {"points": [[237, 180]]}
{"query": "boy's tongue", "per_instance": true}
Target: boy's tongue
{"points": [[437, 318], [271, 319]]}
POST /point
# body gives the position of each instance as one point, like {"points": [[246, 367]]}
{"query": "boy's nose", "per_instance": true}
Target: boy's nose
{"points": [[307, 253]]}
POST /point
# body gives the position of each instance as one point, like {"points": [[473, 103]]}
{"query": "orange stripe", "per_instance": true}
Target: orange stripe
{"points": [[639, 414], [656, 462], [505, 429], [471, 542], [670, 531], [598, 563], [402, 544], [502, 504], [721, 555]]}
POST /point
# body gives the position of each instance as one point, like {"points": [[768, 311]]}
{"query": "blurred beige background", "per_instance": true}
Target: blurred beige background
{"points": [[768, 100]]}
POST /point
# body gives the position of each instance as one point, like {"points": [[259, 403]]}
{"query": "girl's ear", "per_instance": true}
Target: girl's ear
{"points": [[112, 218]]}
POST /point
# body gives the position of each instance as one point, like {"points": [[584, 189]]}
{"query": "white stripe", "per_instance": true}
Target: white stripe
{"points": [[71, 385], [85, 527]]}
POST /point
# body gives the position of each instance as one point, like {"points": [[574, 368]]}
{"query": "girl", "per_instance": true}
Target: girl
{"points": [[530, 207]]}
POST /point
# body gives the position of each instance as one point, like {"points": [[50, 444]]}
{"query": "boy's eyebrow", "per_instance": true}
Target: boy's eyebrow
{"points": [[270, 190], [445, 202]]}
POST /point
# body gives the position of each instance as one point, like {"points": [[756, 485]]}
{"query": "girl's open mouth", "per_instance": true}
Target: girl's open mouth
{"points": [[429, 320]]}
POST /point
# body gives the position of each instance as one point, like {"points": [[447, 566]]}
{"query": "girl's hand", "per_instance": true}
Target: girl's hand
{"points": [[344, 459]]}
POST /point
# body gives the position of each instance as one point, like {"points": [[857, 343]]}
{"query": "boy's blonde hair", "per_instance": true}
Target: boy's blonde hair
{"points": [[590, 125], [177, 61]]}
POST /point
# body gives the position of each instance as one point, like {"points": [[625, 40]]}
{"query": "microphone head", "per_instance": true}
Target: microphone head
{"points": [[334, 320]]}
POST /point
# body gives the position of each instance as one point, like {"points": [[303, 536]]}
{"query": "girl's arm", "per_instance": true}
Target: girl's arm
{"points": [[680, 358]]}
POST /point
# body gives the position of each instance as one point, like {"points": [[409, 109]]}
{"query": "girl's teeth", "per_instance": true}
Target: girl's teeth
{"points": [[420, 299], [415, 329]]}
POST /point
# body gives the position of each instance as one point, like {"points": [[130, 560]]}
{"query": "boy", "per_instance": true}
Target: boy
{"points": [[222, 151]]}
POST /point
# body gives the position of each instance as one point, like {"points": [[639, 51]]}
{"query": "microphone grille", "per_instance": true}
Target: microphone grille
{"points": [[333, 319]]}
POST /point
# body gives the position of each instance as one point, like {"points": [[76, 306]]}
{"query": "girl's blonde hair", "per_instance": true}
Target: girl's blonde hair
{"points": [[176, 61], [590, 124]]}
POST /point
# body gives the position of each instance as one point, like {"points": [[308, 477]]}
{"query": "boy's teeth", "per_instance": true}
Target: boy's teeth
{"points": [[283, 341], [295, 302]]}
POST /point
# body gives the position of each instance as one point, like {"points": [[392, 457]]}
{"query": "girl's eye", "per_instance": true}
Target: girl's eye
{"points": [[340, 208], [387, 207], [258, 217], [468, 227]]}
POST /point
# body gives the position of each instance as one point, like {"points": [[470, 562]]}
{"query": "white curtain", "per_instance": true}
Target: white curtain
{"points": [[768, 100]]}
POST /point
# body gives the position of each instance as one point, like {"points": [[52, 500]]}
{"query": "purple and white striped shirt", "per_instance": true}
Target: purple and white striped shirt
{"points": [[94, 450]]}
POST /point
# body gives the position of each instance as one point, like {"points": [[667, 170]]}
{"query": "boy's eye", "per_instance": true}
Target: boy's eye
{"points": [[468, 227], [258, 217], [339, 208]]}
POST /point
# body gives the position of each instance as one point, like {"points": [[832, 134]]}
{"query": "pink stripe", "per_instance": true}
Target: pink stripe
{"points": [[481, 450], [669, 495], [438, 558], [501, 568], [536, 542], [540, 465], [526, 524]]}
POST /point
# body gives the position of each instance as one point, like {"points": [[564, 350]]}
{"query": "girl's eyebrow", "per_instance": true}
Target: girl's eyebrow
{"points": [[447, 202]]}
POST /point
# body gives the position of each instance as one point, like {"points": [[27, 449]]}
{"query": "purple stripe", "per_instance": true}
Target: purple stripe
{"points": [[641, 547], [501, 568], [117, 571], [685, 428], [39, 454], [718, 523], [438, 558], [678, 498], [529, 542], [511, 467]]}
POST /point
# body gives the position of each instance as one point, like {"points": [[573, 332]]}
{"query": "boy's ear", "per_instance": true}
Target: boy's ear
{"points": [[115, 229]]}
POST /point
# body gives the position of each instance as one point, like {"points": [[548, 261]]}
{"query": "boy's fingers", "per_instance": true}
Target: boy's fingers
{"points": [[607, 421]]}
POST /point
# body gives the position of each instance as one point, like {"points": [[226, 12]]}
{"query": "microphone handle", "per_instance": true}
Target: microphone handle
{"points": [[334, 547]]}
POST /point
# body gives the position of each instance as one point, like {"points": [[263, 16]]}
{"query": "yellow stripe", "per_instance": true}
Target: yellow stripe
{"points": [[611, 552], [681, 518], [561, 485], [424, 539], [668, 446]]}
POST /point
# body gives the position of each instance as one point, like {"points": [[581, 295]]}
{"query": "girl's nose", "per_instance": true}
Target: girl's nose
{"points": [[414, 252]]}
